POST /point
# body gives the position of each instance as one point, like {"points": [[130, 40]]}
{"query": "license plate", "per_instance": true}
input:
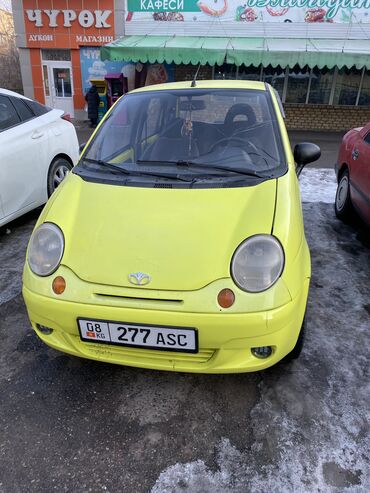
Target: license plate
{"points": [[165, 338]]}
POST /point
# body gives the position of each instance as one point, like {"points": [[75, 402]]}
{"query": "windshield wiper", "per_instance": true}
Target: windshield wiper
{"points": [[191, 164], [129, 172]]}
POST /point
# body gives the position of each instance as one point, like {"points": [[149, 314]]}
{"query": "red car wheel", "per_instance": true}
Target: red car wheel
{"points": [[343, 204]]}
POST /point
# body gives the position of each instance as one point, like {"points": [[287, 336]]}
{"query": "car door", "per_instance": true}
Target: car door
{"points": [[360, 173], [365, 183], [22, 151]]}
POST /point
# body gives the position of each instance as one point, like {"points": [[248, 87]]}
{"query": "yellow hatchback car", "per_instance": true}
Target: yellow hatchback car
{"points": [[177, 242]]}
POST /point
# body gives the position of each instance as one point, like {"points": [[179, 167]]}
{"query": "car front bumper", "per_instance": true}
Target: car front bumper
{"points": [[225, 339]]}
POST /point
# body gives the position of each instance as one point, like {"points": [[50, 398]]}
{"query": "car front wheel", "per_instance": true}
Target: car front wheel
{"points": [[59, 169], [343, 204]]}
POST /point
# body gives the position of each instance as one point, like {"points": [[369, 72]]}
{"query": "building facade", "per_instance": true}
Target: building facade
{"points": [[316, 53], [56, 38]]}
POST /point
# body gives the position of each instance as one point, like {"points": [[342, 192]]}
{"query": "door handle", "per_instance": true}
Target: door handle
{"points": [[355, 154], [37, 135]]}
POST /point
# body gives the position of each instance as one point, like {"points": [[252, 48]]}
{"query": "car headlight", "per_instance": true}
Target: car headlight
{"points": [[257, 263], [45, 250]]}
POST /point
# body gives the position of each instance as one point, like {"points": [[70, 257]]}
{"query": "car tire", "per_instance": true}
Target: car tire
{"points": [[343, 205], [58, 170], [296, 351]]}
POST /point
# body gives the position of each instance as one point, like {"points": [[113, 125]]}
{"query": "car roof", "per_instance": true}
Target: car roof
{"points": [[206, 84], [6, 92]]}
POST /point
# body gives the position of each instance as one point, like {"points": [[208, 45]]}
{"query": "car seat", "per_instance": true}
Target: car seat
{"points": [[231, 126]]}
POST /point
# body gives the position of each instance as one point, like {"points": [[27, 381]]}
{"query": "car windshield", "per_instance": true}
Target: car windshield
{"points": [[189, 136]]}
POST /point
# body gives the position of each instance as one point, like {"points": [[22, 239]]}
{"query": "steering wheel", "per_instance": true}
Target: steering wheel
{"points": [[230, 139]]}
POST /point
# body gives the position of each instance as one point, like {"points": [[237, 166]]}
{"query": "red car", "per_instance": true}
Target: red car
{"points": [[353, 174]]}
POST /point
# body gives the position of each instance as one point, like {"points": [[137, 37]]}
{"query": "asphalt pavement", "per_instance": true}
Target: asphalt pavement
{"points": [[69, 424]]}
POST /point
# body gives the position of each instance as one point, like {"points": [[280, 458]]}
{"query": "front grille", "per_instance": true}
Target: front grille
{"points": [[129, 355], [202, 356], [163, 185]]}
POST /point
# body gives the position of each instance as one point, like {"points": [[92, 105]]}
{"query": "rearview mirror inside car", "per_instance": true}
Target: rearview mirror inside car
{"points": [[305, 153], [193, 105]]}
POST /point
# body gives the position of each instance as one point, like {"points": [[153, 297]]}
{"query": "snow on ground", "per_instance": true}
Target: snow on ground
{"points": [[310, 426], [318, 185], [12, 260]]}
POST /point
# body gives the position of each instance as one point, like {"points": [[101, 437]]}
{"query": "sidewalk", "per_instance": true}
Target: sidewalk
{"points": [[83, 130]]}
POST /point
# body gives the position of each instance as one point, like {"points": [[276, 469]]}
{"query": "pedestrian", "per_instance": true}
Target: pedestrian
{"points": [[92, 98]]}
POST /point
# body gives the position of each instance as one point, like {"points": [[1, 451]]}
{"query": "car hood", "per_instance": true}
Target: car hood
{"points": [[182, 238]]}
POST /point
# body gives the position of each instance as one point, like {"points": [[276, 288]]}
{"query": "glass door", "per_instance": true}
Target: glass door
{"points": [[45, 75], [58, 85]]}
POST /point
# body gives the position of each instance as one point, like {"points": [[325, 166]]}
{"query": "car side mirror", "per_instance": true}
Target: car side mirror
{"points": [[305, 153], [82, 147]]}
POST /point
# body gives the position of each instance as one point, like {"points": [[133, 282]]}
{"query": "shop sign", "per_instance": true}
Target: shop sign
{"points": [[56, 18], [332, 7], [247, 11], [89, 38], [163, 5]]}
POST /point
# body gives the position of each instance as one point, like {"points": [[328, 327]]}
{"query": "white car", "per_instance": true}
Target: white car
{"points": [[38, 147]]}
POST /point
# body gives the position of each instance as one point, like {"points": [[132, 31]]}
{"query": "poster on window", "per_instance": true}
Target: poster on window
{"points": [[248, 11], [137, 74], [159, 73]]}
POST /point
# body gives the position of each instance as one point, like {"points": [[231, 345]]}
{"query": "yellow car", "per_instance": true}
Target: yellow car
{"points": [[177, 242]]}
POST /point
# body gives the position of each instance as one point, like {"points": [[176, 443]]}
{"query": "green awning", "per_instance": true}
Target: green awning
{"points": [[169, 49], [248, 51]]}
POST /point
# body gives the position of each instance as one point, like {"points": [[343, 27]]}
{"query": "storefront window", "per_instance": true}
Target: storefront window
{"points": [[364, 99], [56, 55], [249, 73], [303, 84], [346, 86], [321, 84], [225, 71], [275, 77], [298, 80]]}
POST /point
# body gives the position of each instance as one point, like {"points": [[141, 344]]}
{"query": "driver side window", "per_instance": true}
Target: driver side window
{"points": [[8, 115]]}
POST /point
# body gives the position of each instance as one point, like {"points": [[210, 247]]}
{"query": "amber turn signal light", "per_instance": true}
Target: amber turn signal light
{"points": [[226, 298], [59, 285]]}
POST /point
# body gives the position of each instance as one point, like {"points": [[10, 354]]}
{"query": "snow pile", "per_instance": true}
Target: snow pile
{"points": [[318, 185]]}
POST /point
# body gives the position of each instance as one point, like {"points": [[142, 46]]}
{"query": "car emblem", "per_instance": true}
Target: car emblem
{"points": [[139, 278]]}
